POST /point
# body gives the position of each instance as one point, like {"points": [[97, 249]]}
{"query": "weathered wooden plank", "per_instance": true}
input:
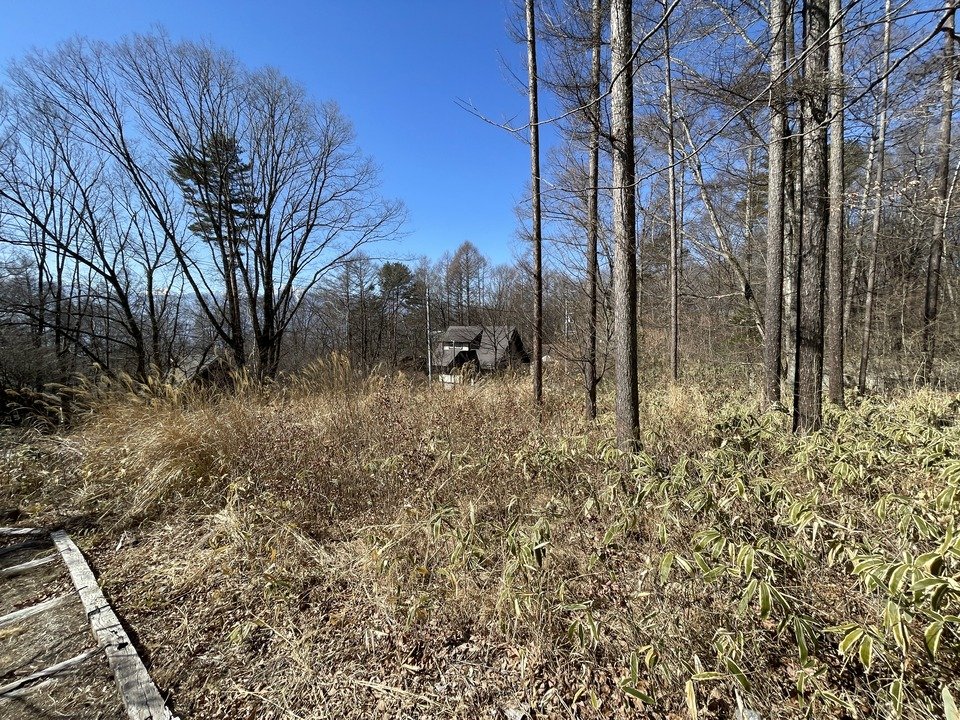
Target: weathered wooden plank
{"points": [[35, 679], [27, 566], [25, 691], [35, 543], [20, 531], [28, 612], [137, 690]]}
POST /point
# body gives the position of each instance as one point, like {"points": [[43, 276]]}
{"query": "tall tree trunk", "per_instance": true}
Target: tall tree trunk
{"points": [[235, 321], [776, 149], [593, 217], [946, 256], [880, 151], [748, 198], [363, 319], [40, 327], [624, 224], [853, 275], [535, 206], [236, 326], [726, 250], [931, 305], [808, 385], [835, 229], [674, 264], [794, 206]]}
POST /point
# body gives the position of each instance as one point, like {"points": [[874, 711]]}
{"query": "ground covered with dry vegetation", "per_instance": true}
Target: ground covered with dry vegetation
{"points": [[338, 546]]}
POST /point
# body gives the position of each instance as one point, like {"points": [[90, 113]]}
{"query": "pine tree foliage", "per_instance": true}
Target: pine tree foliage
{"points": [[218, 188]]}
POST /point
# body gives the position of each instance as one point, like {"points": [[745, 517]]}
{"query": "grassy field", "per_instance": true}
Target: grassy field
{"points": [[340, 547]]}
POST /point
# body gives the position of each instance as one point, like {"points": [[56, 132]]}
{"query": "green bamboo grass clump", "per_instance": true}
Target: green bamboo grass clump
{"points": [[817, 575]]}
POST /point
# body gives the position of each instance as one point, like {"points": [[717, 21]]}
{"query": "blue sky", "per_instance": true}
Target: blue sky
{"points": [[395, 66]]}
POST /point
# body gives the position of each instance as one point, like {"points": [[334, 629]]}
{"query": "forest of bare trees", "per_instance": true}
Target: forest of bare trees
{"points": [[714, 185], [792, 174]]}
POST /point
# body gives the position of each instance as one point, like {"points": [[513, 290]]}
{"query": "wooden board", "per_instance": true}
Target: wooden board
{"points": [[33, 544], [137, 690], [27, 566], [31, 681], [28, 612]]}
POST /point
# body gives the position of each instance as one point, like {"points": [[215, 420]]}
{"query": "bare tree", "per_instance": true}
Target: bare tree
{"points": [[931, 305], [808, 390], [79, 220], [535, 204], [148, 100], [674, 224], [464, 274], [857, 258], [725, 248], [878, 175], [835, 229], [624, 223], [593, 214], [776, 151]]}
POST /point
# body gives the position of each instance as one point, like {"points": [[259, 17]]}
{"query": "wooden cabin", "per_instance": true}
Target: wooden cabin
{"points": [[483, 348]]}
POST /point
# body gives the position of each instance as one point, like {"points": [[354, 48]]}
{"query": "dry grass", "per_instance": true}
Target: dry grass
{"points": [[340, 546]]}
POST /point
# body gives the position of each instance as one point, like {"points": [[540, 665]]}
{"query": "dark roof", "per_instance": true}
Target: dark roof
{"points": [[462, 333], [446, 357], [495, 345], [498, 344]]}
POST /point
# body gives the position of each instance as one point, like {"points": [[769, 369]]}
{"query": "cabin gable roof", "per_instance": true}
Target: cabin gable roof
{"points": [[491, 346]]}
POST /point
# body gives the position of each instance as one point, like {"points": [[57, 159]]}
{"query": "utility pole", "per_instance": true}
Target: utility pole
{"points": [[429, 343]]}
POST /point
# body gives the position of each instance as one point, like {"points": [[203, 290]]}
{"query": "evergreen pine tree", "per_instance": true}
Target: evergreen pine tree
{"points": [[218, 188]]}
